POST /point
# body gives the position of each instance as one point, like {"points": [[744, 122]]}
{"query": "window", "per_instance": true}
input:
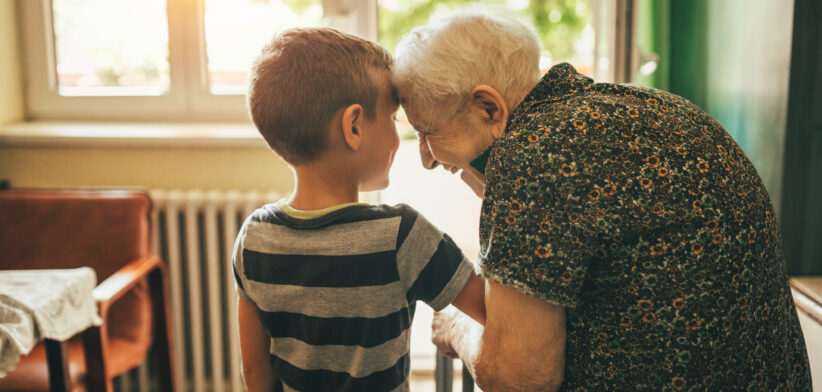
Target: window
{"points": [[565, 28], [235, 31], [187, 59], [159, 59], [130, 59]]}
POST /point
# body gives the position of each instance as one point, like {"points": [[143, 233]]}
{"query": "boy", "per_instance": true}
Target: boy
{"points": [[327, 285]]}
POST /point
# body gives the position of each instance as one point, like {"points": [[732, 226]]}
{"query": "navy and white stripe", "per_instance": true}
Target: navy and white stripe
{"points": [[337, 293]]}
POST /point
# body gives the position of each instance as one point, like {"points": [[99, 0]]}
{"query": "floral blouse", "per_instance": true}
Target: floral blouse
{"points": [[639, 213]]}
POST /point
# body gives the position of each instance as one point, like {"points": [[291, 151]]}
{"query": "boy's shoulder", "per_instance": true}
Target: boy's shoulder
{"points": [[367, 221], [271, 213]]}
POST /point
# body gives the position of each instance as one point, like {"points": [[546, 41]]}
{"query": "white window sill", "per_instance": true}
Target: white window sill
{"points": [[122, 134]]}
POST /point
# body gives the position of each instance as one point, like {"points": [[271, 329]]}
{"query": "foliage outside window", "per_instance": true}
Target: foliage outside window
{"points": [[559, 23], [564, 28]]}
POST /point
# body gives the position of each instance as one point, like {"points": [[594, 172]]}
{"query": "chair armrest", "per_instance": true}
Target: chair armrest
{"points": [[123, 280]]}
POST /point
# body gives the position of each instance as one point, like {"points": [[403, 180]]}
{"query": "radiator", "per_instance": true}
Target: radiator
{"points": [[194, 232]]}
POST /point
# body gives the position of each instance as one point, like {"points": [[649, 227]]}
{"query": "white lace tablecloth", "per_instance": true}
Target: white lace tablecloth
{"points": [[39, 304]]}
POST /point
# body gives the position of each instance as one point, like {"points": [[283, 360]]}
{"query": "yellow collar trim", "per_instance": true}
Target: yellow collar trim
{"points": [[282, 204]]}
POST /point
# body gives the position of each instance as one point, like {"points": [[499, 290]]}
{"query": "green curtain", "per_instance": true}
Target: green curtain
{"points": [[675, 31], [720, 56]]}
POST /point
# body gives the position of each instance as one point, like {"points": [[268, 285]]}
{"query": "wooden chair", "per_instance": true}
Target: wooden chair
{"points": [[109, 231], [444, 375]]}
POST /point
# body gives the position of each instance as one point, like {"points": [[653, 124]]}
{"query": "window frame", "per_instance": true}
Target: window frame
{"points": [[188, 98], [43, 100]]}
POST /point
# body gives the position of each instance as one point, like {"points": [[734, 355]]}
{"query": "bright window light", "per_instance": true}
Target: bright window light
{"points": [[111, 47], [235, 31]]}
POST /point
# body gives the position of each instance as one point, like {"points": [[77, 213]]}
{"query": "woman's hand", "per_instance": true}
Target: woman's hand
{"points": [[456, 334], [442, 330]]}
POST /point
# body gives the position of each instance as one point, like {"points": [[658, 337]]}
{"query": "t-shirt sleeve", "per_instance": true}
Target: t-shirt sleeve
{"points": [[432, 267], [237, 269], [541, 216]]}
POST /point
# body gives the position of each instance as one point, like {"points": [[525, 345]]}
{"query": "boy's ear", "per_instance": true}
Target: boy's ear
{"points": [[492, 108], [352, 126]]}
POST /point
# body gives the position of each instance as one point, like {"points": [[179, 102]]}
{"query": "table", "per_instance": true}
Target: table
{"points": [[48, 305]]}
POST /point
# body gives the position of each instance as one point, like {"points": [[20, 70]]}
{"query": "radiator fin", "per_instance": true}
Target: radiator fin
{"points": [[194, 233]]}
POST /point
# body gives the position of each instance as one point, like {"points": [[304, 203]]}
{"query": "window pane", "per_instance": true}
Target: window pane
{"points": [[235, 31], [564, 27], [111, 47]]}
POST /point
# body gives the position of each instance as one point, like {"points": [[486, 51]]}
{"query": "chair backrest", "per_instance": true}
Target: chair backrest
{"points": [[102, 229]]}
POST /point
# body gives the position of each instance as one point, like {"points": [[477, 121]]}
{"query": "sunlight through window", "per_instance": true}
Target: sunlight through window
{"points": [[236, 30], [111, 47], [565, 28]]}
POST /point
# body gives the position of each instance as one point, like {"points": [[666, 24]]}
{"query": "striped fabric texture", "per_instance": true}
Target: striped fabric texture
{"points": [[337, 292]]}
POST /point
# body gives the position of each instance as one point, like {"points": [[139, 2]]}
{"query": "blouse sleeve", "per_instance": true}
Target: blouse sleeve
{"points": [[541, 215]]}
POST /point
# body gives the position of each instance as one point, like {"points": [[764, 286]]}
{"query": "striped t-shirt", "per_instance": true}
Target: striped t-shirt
{"points": [[337, 292]]}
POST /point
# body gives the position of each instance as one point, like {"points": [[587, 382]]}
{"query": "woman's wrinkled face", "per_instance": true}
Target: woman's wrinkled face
{"points": [[464, 137], [453, 146], [450, 146]]}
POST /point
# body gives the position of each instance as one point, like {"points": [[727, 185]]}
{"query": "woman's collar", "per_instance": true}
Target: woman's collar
{"points": [[481, 160], [562, 81]]}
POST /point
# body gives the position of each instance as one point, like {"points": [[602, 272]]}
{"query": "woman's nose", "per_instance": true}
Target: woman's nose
{"points": [[427, 158]]}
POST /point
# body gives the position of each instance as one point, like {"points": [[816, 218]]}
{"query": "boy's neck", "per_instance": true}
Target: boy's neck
{"points": [[321, 186]]}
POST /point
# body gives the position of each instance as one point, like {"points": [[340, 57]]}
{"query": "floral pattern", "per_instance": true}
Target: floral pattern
{"points": [[638, 212]]}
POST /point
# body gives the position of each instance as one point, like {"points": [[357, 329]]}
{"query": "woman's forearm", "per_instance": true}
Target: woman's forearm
{"points": [[466, 339]]}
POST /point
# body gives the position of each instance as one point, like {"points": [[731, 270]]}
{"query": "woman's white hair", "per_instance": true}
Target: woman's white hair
{"points": [[437, 65]]}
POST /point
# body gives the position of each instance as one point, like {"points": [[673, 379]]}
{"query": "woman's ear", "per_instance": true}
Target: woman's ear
{"points": [[352, 126], [492, 108]]}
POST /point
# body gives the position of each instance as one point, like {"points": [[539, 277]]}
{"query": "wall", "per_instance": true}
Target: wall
{"points": [[185, 168], [251, 168], [11, 93]]}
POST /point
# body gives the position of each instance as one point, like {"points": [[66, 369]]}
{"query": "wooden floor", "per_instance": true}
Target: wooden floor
{"points": [[424, 381]]}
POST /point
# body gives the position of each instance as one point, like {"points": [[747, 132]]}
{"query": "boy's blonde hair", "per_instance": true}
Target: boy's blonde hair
{"points": [[302, 78]]}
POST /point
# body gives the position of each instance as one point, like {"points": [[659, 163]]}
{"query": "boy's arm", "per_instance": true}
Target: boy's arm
{"points": [[471, 300], [254, 343], [438, 272]]}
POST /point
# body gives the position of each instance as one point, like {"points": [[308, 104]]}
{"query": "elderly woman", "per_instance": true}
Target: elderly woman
{"points": [[626, 239]]}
